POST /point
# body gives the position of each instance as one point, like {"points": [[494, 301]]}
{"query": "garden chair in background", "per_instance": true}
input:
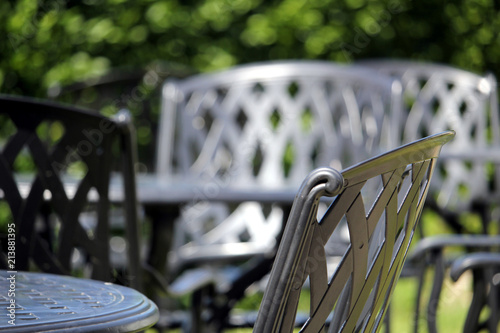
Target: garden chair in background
{"points": [[56, 165], [439, 97], [265, 125], [485, 267], [354, 296], [135, 89], [438, 253]]}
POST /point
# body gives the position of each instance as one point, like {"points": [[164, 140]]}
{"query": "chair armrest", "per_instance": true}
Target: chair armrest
{"points": [[473, 261], [433, 243]]}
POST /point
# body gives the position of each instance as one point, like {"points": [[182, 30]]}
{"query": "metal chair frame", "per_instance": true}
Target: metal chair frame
{"points": [[48, 219], [135, 89], [485, 268], [430, 254], [438, 98], [236, 127], [227, 116], [359, 289]]}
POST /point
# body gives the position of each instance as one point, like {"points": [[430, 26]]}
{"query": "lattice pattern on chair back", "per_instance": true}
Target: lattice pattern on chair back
{"points": [[358, 290], [265, 124], [272, 123], [137, 90], [437, 98], [54, 162]]}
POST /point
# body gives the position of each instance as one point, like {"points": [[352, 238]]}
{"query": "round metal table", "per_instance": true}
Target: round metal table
{"points": [[40, 302]]}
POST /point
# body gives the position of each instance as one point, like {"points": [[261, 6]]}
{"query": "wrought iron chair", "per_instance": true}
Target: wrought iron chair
{"points": [[355, 296], [137, 90], [440, 97], [265, 125], [470, 252], [485, 267], [56, 165]]}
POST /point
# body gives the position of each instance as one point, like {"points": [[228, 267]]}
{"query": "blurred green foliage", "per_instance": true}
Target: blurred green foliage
{"points": [[59, 42], [55, 43]]}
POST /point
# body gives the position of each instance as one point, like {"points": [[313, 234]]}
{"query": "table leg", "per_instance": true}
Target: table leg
{"points": [[162, 228]]}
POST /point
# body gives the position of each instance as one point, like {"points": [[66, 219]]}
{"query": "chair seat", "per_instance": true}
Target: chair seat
{"points": [[197, 278]]}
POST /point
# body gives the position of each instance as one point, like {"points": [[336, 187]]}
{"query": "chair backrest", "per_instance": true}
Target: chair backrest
{"points": [[272, 123], [359, 289], [440, 97], [433, 255], [137, 90], [267, 125], [56, 165]]}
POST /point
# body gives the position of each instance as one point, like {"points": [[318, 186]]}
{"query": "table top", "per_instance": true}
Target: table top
{"points": [[157, 190], [40, 302]]}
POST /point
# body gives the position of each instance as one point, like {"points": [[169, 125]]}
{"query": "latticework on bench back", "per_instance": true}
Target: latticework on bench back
{"points": [[269, 125], [438, 98]]}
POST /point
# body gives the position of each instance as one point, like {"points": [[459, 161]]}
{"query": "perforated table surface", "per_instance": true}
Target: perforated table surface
{"points": [[39, 302]]}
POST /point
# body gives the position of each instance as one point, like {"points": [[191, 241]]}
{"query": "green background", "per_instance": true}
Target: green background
{"points": [[47, 43]]}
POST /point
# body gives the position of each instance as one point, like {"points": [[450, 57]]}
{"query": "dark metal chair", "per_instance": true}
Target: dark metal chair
{"points": [[135, 89], [266, 125], [485, 267], [432, 254], [56, 165], [381, 225]]}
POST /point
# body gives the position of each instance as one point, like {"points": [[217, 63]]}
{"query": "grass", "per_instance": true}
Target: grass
{"points": [[451, 311], [455, 296]]}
